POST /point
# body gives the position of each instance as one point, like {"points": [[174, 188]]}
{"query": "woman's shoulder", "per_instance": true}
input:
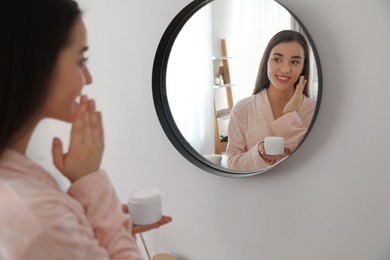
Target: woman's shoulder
{"points": [[41, 201], [38, 212]]}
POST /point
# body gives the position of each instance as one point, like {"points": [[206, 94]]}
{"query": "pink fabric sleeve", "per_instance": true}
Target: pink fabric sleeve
{"points": [[293, 126], [67, 234], [290, 127], [241, 157]]}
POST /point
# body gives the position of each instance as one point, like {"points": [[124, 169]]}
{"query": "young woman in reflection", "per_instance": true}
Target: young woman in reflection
{"points": [[42, 73], [279, 106]]}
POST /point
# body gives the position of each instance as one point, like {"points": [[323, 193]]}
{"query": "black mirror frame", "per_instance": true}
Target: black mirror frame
{"points": [[161, 101]]}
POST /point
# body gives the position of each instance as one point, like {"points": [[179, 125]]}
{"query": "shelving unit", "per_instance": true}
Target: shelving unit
{"points": [[224, 85], [222, 74]]}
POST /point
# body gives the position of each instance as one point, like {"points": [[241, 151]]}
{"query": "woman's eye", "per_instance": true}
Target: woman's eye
{"points": [[83, 61], [277, 60], [296, 62]]}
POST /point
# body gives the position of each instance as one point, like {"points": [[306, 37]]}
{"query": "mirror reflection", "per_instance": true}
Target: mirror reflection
{"points": [[240, 71]]}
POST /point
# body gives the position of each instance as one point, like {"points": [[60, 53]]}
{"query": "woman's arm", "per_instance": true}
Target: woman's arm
{"points": [[92, 188], [240, 156], [293, 126], [88, 224]]}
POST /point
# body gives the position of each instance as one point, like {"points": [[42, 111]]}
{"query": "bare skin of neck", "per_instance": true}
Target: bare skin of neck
{"points": [[279, 99]]}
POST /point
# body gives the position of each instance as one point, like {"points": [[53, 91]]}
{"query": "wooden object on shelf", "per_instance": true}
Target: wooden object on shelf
{"points": [[224, 71], [226, 74]]}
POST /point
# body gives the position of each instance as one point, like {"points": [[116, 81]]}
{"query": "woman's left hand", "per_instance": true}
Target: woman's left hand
{"points": [[272, 159], [143, 228], [296, 100], [140, 229], [86, 144]]}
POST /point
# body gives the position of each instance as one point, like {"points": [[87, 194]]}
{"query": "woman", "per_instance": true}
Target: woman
{"points": [[279, 105], [42, 73]]}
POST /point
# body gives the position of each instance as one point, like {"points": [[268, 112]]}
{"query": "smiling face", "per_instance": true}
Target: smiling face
{"points": [[285, 65], [70, 75]]}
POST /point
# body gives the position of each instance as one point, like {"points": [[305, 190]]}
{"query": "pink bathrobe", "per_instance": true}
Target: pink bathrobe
{"points": [[40, 221], [252, 120]]}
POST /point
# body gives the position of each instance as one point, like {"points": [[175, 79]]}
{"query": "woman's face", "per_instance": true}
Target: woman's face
{"points": [[70, 75], [285, 65]]}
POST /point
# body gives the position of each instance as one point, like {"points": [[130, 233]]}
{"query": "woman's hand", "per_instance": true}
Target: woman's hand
{"points": [[296, 100], [272, 159], [140, 229], [86, 143]]}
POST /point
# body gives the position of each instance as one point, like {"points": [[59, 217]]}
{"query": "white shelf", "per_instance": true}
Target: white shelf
{"points": [[224, 117], [222, 58], [223, 86]]}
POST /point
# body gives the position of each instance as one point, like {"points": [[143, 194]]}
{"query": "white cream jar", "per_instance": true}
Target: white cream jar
{"points": [[274, 145], [145, 206]]}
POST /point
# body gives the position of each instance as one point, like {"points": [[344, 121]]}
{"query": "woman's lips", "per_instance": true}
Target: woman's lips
{"points": [[283, 79]]}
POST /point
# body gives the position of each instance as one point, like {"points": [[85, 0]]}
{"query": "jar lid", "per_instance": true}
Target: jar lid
{"points": [[144, 196]]}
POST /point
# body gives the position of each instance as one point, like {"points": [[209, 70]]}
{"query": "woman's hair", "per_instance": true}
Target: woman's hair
{"points": [[262, 80], [32, 35]]}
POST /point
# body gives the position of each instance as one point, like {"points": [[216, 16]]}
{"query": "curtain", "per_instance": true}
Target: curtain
{"points": [[189, 82]]}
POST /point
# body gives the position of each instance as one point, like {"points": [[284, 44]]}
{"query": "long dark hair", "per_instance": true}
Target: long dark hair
{"points": [[32, 35], [262, 80]]}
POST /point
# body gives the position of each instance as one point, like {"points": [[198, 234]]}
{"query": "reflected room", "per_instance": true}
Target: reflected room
{"points": [[213, 64]]}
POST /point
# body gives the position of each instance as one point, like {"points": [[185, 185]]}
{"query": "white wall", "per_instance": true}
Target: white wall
{"points": [[330, 200]]}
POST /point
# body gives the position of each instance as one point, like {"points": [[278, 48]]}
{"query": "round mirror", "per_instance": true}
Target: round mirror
{"points": [[206, 77]]}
